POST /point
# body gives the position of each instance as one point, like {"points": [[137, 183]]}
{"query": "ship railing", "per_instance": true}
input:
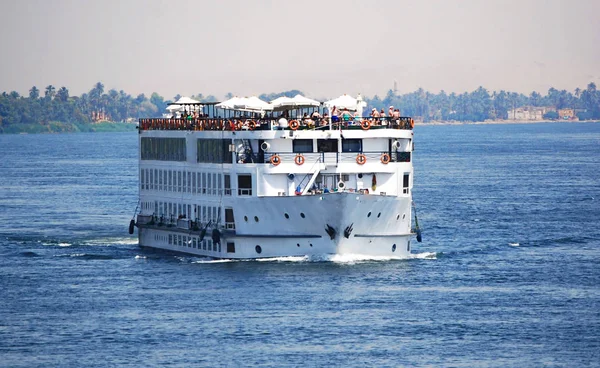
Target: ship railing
{"points": [[325, 157], [270, 123]]}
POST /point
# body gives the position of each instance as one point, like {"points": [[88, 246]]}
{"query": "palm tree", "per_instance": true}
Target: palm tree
{"points": [[50, 92], [63, 94], [34, 93]]}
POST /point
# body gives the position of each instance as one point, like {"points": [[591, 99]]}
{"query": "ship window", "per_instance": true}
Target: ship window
{"points": [[220, 184], [327, 145], [194, 183], [286, 215], [184, 182], [189, 182], [394, 248], [244, 184], [379, 215], [209, 186], [406, 180], [351, 145], [170, 239], [227, 180], [369, 214], [246, 218], [256, 218], [302, 215], [302, 145], [229, 219], [203, 183], [408, 246], [194, 243], [142, 178], [230, 247], [258, 249]]}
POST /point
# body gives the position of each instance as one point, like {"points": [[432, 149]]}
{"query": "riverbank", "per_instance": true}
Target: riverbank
{"points": [[70, 127], [490, 122]]}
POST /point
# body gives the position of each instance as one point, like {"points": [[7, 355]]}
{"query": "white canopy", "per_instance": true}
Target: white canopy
{"points": [[252, 104], [174, 107], [284, 103], [186, 101], [347, 102]]}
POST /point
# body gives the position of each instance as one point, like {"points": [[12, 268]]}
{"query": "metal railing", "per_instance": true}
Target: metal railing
{"points": [[310, 158], [271, 123]]}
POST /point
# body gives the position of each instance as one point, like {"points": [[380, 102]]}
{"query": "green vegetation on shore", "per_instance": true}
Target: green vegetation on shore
{"points": [[96, 110]]}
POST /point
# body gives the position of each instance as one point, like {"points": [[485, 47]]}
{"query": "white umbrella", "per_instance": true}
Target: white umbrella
{"points": [[186, 101], [284, 103], [228, 104], [174, 107], [346, 102], [252, 104]]}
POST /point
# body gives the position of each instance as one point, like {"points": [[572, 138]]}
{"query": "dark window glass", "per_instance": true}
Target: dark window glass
{"points": [[302, 145], [351, 145], [327, 145]]}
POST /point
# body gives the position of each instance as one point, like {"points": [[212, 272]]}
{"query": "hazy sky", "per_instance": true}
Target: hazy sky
{"points": [[324, 48]]}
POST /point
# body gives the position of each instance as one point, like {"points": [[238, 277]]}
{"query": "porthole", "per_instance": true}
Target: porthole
{"points": [[403, 216], [394, 248], [311, 244], [397, 217], [286, 215], [302, 215], [246, 218], [258, 249], [408, 246], [256, 218], [298, 244], [369, 214], [379, 215], [360, 176]]}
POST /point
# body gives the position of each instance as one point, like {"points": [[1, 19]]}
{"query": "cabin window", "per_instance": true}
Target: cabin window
{"points": [[351, 145], [327, 145], [227, 179], [203, 183], [194, 183], [229, 220], [244, 184], [230, 247], [302, 145]]}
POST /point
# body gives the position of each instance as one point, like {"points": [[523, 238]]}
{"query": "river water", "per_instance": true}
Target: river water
{"points": [[508, 273]]}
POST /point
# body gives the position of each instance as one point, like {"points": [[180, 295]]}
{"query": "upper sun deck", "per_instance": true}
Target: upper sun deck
{"points": [[275, 123]]}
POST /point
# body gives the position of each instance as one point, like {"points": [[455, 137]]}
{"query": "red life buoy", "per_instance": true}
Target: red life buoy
{"points": [[275, 160], [385, 159], [299, 160], [361, 159]]}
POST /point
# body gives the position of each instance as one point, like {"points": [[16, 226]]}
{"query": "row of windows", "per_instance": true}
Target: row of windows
{"points": [[194, 242], [185, 182], [326, 145], [163, 149], [167, 212]]}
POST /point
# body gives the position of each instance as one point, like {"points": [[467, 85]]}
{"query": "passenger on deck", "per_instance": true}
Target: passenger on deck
{"points": [[382, 117], [346, 116], [334, 115], [325, 120], [315, 115], [391, 111], [396, 114]]}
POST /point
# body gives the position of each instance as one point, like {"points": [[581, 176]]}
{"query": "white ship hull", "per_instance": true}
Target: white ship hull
{"points": [[362, 225]]}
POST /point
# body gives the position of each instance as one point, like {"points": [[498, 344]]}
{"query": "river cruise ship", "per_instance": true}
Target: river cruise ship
{"points": [[246, 179]]}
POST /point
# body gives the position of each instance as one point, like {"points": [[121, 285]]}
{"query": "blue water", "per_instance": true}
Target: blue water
{"points": [[508, 273]]}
